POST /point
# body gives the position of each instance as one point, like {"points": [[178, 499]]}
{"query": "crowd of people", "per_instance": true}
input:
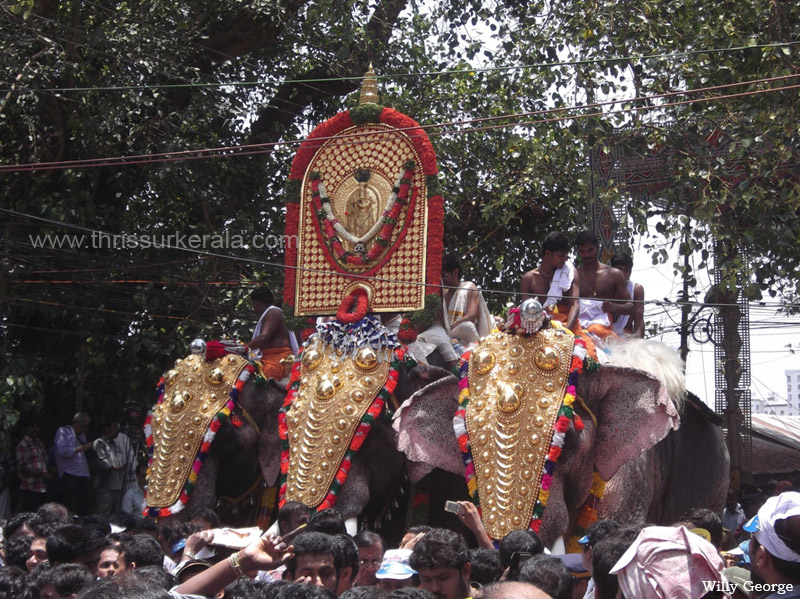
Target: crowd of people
{"points": [[79, 531], [53, 554]]}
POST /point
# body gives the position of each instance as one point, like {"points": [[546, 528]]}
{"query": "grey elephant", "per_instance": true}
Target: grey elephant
{"points": [[629, 434]]}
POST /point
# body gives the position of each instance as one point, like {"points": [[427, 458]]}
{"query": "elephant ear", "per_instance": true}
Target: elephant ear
{"points": [[633, 410], [424, 425]]}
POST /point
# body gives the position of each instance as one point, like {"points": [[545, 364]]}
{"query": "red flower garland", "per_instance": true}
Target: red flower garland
{"points": [[433, 278], [357, 298], [290, 257]]}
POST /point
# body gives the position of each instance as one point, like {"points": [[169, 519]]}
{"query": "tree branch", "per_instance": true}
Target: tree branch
{"points": [[292, 98]]}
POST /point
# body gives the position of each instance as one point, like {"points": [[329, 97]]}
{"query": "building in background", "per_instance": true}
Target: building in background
{"points": [[775, 405]]}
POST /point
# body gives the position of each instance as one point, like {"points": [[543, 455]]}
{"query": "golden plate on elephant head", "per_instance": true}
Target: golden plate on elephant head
{"points": [[194, 391], [517, 384], [333, 397]]}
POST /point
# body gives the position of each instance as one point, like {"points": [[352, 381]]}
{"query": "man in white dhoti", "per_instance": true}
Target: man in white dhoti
{"points": [[466, 315]]}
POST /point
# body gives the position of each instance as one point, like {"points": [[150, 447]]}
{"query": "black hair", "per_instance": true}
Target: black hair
{"points": [[605, 554], [586, 238], [262, 294], [708, 519], [154, 576], [209, 516], [289, 510], [70, 542], [365, 592], [451, 263], [16, 584], [620, 259], [99, 522], [67, 579], [419, 528], [54, 512], [18, 521], [180, 532], [486, 566], [601, 529], [303, 591], [555, 242], [310, 543], [127, 587], [440, 548], [346, 555], [17, 551], [142, 550], [273, 589], [518, 541], [44, 529], [244, 588], [329, 521], [368, 538], [411, 593], [549, 574], [145, 526]]}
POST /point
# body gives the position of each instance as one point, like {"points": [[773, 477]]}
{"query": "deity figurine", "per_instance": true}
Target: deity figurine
{"points": [[362, 206]]}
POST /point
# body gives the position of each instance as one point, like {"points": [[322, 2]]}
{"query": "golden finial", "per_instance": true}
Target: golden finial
{"points": [[369, 88]]}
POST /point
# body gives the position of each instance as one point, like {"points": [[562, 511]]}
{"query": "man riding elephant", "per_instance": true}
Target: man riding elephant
{"points": [[272, 342]]}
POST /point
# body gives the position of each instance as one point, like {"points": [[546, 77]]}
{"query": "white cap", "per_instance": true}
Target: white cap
{"points": [[762, 525]]}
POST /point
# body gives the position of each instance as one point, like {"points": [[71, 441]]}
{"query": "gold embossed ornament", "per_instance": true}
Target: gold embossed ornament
{"points": [[179, 430], [509, 420]]}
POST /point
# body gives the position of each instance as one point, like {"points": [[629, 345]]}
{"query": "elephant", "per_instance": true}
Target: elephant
{"points": [[632, 411], [689, 468], [228, 466]]}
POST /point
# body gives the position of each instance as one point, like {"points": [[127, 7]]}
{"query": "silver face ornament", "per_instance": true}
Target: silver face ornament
{"points": [[198, 346], [531, 315]]}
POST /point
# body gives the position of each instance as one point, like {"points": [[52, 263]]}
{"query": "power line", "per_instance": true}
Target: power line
{"points": [[358, 138], [354, 276], [392, 76]]}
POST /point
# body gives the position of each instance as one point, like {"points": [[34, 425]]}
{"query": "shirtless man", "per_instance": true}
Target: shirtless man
{"points": [[633, 324], [554, 282], [270, 343], [603, 289]]}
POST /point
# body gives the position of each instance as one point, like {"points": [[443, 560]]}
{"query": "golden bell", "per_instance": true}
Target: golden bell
{"points": [[483, 362], [546, 358], [325, 388], [311, 359], [366, 358], [216, 376]]}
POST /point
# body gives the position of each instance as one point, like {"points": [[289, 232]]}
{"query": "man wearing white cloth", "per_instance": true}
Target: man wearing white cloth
{"points": [[603, 289], [633, 324], [466, 315], [554, 282]]}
